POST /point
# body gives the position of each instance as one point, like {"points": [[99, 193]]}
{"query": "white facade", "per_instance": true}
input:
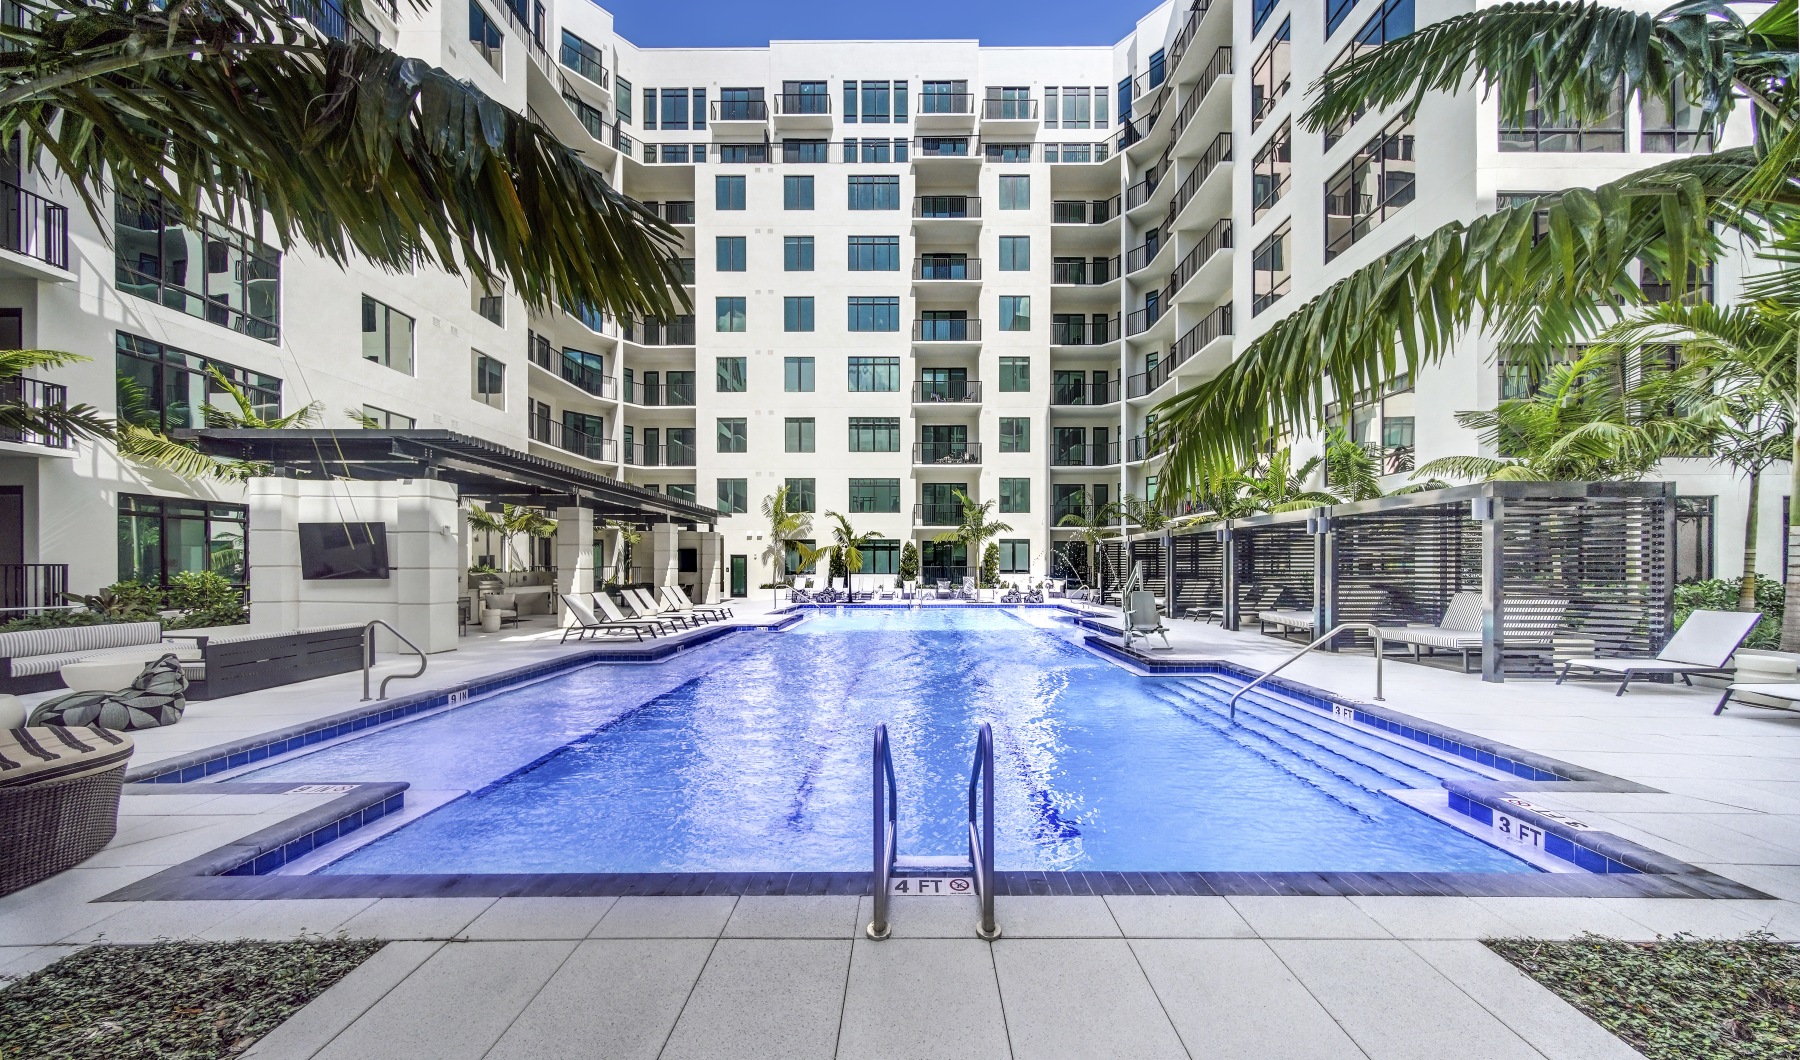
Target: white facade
{"points": [[617, 401]]}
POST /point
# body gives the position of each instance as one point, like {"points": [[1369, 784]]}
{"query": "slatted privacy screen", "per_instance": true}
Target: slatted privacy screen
{"points": [[1151, 554], [1402, 566], [1113, 568], [1199, 573], [1280, 556]]}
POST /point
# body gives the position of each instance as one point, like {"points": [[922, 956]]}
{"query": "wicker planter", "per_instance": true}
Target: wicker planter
{"points": [[46, 828]]}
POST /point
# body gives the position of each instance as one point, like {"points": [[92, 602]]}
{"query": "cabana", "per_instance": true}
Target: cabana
{"points": [[1563, 569]]}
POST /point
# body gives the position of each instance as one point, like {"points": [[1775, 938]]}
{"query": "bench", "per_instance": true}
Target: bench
{"points": [[236, 663], [31, 660]]}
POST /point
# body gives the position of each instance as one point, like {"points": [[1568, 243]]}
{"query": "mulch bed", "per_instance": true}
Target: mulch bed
{"points": [[1680, 998], [167, 1001]]}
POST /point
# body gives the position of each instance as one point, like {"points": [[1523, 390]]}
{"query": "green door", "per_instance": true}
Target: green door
{"points": [[740, 575]]}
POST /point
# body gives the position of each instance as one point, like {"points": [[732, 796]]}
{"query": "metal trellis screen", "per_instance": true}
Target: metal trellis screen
{"points": [[1276, 568], [1150, 552], [1199, 574]]}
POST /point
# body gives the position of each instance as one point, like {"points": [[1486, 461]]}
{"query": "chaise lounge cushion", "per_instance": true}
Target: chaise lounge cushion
{"points": [[157, 697], [43, 651], [44, 753], [1294, 619]]}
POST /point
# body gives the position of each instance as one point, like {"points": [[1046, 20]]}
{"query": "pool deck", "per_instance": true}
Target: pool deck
{"points": [[1073, 976]]}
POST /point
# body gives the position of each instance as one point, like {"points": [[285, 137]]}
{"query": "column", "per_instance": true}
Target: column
{"points": [[574, 557]]}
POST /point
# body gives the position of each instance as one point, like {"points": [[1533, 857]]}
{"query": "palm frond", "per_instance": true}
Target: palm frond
{"points": [[153, 449]]}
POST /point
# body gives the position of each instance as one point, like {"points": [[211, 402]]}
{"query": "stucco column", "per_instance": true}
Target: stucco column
{"points": [[664, 554], [574, 557]]}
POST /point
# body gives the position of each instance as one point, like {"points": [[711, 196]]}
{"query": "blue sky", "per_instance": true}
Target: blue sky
{"points": [[749, 23]]}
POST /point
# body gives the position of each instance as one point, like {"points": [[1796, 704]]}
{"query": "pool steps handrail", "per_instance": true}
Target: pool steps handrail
{"points": [[980, 861], [369, 657], [1341, 627], [887, 798], [981, 844]]}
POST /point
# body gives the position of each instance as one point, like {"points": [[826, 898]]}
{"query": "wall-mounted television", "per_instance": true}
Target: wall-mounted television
{"points": [[343, 551]]}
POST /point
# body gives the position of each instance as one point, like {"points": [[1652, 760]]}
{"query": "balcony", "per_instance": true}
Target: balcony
{"points": [[1145, 446], [660, 395], [36, 397], [947, 208], [1214, 326], [740, 118], [1084, 211], [802, 110], [33, 585], [676, 212], [947, 392], [580, 57], [1101, 454], [1085, 512], [1082, 395], [674, 454], [941, 454], [1084, 332], [739, 110], [551, 432], [1084, 272], [1140, 257], [679, 332], [945, 149], [937, 515], [946, 268], [945, 110], [1144, 319], [34, 227], [1215, 158], [957, 330], [1008, 115]]}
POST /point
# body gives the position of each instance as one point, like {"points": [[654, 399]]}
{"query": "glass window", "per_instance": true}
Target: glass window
{"points": [[874, 434], [874, 314], [387, 336], [1371, 187], [622, 101], [872, 374], [380, 419], [741, 154], [683, 491], [805, 151], [1272, 74], [797, 375], [649, 108], [874, 495], [1077, 111], [1260, 10], [1393, 20], [874, 193], [731, 253], [165, 388], [1015, 495], [1673, 131], [1015, 192], [1015, 434], [881, 557], [802, 496], [734, 495], [199, 267], [730, 311], [1015, 312], [160, 537], [797, 253], [490, 381], [728, 193], [1270, 172], [797, 313], [874, 253], [675, 108], [1545, 132], [731, 374], [1015, 556], [800, 434], [485, 35], [797, 192], [1015, 375], [1335, 13], [733, 434], [1270, 269], [1015, 253]]}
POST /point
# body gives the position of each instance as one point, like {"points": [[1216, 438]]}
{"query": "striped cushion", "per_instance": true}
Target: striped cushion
{"points": [[41, 753], [49, 664], [1464, 613], [29, 642], [1431, 637], [1295, 619]]}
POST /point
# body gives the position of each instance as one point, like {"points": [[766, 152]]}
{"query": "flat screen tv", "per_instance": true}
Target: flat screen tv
{"points": [[343, 551]]}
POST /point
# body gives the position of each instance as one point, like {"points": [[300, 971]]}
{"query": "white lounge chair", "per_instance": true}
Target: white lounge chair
{"points": [[1287, 621], [884, 591], [586, 622], [1703, 645], [603, 602], [645, 607], [672, 605], [1143, 620], [680, 595], [910, 590], [1459, 630]]}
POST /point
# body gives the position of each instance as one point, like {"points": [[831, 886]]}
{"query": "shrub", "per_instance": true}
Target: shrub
{"points": [[1721, 594], [205, 598], [909, 562], [990, 565], [123, 601], [54, 620]]}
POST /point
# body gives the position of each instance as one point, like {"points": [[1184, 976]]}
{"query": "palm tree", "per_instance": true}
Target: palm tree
{"points": [[975, 530], [628, 537], [1274, 484], [21, 417], [143, 444], [845, 551], [1148, 516], [510, 522], [346, 147], [785, 528]]}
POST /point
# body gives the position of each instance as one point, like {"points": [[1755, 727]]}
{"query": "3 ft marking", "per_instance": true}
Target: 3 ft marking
{"points": [[1343, 713], [461, 695], [932, 886], [1518, 831]]}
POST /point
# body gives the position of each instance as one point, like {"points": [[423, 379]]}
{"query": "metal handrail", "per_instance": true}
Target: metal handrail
{"points": [[981, 843], [1335, 630], [369, 657], [887, 799]]}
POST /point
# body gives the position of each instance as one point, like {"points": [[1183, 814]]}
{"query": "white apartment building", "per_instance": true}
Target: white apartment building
{"points": [[918, 268]]}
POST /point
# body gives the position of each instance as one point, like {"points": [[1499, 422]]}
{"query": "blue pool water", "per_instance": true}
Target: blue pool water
{"points": [[752, 754]]}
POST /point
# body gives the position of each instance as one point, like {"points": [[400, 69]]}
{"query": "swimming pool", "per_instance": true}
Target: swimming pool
{"points": [[751, 754]]}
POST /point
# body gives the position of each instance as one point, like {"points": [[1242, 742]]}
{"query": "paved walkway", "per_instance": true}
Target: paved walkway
{"points": [[1078, 977]]}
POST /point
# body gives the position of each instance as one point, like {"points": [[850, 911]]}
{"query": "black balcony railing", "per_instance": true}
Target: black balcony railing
{"points": [[802, 103], [1084, 211], [672, 455], [1145, 446], [328, 18], [947, 453], [38, 397], [1084, 393], [1084, 332], [1217, 238], [957, 330], [1085, 512], [947, 207], [1214, 325], [1099, 454], [679, 332], [1144, 319], [739, 110], [659, 395], [946, 267], [569, 440], [1009, 110], [1216, 155], [1142, 255], [1219, 67], [33, 585], [1076, 154], [944, 147], [34, 226], [1139, 194], [953, 391], [675, 211], [1084, 272], [937, 514], [946, 103], [585, 59]]}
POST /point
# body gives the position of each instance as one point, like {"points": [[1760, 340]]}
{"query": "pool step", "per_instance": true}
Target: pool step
{"points": [[933, 865]]}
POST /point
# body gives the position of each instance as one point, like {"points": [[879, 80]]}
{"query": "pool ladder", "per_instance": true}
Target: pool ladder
{"points": [[1341, 627], [369, 657], [978, 864]]}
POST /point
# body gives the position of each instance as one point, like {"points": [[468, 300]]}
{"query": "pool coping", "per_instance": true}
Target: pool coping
{"points": [[1615, 867]]}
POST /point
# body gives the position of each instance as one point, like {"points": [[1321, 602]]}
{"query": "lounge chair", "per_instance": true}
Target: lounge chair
{"points": [[910, 590], [885, 591], [1261, 598], [666, 604], [1285, 621], [506, 605], [681, 596], [1703, 645], [610, 612], [1143, 620], [1459, 630], [645, 607], [678, 602], [586, 622]]}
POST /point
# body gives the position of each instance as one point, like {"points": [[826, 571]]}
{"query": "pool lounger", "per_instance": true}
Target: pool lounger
{"points": [[678, 601], [1289, 621], [1788, 693], [1703, 645], [586, 622], [604, 602], [680, 594], [644, 607]]}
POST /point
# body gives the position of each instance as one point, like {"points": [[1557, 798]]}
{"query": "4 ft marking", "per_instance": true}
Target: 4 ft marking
{"points": [[932, 886]]}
